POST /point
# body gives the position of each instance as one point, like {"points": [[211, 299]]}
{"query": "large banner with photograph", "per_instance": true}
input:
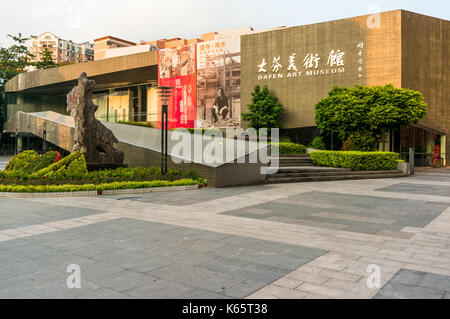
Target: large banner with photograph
{"points": [[219, 83], [177, 69]]}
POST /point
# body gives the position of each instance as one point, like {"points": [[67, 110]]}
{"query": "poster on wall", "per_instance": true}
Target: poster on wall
{"points": [[219, 83], [177, 69]]}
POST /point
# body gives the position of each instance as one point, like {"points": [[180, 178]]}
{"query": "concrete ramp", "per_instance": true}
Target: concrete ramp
{"points": [[142, 147]]}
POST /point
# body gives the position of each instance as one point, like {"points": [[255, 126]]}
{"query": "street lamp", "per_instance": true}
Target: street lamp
{"points": [[165, 92]]}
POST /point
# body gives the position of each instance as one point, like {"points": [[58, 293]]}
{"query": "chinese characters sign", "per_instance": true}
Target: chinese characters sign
{"points": [[308, 64]]}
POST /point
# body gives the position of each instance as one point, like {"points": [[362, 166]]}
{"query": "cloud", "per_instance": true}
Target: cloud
{"points": [[134, 20]]}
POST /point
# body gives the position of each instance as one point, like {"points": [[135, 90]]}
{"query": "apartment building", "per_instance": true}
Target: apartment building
{"points": [[63, 51], [101, 46]]}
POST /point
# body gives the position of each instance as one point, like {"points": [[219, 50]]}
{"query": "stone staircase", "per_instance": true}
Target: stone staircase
{"points": [[300, 168]]}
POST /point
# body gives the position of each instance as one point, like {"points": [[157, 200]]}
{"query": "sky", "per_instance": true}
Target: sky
{"points": [[136, 20]]}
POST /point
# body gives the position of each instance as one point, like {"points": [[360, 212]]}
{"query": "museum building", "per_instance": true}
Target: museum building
{"points": [[300, 65]]}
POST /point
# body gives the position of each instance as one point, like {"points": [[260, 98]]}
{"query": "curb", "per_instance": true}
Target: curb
{"points": [[101, 193]]}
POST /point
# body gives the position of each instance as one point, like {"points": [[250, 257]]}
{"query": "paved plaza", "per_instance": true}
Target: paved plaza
{"points": [[297, 241]]}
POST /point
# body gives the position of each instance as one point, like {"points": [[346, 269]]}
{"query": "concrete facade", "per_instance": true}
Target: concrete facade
{"points": [[402, 48], [124, 70]]}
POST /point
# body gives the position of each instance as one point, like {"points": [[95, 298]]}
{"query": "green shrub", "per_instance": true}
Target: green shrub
{"points": [[318, 144], [73, 165], [290, 148], [143, 124], [364, 141], [357, 161], [265, 111], [21, 162], [42, 162], [91, 187], [285, 139], [363, 113], [97, 177]]}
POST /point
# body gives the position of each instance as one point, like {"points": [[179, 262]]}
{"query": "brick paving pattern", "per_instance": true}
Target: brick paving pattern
{"points": [[308, 240]]}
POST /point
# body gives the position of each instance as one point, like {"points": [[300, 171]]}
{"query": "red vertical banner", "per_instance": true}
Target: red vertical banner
{"points": [[177, 69]]}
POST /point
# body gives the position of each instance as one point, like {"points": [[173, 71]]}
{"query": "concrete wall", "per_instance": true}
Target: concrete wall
{"points": [[107, 71], [37, 103], [379, 59], [58, 130], [426, 66]]}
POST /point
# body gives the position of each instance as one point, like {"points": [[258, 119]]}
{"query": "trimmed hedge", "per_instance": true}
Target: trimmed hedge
{"points": [[43, 161], [357, 161], [90, 187], [138, 174], [21, 162], [71, 175], [71, 166], [290, 148], [30, 162]]}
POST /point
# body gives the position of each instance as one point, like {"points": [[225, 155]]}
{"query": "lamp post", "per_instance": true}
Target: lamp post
{"points": [[165, 92]]}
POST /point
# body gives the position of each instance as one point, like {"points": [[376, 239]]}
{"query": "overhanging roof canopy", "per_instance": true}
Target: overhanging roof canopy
{"points": [[119, 71]]}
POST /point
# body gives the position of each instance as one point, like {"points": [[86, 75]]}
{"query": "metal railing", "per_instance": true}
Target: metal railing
{"points": [[128, 117]]}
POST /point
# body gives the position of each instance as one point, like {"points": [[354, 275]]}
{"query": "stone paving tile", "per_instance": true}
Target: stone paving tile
{"points": [[399, 291], [171, 261], [30, 213], [202, 294], [431, 178], [121, 251], [104, 293], [301, 277], [245, 288], [122, 281], [288, 282], [281, 292], [159, 289], [355, 290], [433, 281], [352, 213], [409, 284], [309, 288], [193, 197], [418, 189], [15, 293]]}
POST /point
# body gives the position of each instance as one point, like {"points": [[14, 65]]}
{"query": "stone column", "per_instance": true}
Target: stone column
{"points": [[19, 144]]}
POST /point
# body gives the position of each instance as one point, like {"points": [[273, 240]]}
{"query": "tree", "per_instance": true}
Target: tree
{"points": [[361, 114], [13, 60], [47, 61], [265, 111]]}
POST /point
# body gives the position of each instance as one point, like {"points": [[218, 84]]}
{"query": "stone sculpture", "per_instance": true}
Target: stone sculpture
{"points": [[92, 138]]}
